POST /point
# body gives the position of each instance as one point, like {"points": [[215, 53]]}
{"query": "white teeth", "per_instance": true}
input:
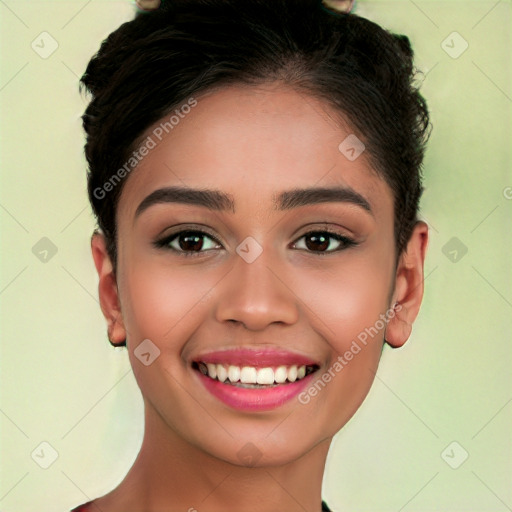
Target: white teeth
{"points": [[212, 370], [233, 373], [265, 376], [222, 373], [251, 375], [280, 374], [248, 375]]}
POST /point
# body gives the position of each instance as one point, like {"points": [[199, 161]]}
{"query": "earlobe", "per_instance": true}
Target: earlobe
{"points": [[107, 290], [408, 292], [399, 327]]}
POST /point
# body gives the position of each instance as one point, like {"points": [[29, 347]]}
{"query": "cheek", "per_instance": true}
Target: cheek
{"points": [[347, 306], [160, 302], [348, 299]]}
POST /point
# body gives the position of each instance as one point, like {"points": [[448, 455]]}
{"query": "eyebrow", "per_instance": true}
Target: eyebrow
{"points": [[220, 201]]}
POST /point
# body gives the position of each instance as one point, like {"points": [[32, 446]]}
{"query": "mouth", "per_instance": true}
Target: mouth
{"points": [[252, 377], [254, 380]]}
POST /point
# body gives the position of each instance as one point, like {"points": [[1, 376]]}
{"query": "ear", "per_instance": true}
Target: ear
{"points": [[408, 292], [107, 289]]}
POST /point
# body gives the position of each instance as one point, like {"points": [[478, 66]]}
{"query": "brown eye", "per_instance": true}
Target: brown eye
{"points": [[317, 241], [320, 241], [189, 242]]}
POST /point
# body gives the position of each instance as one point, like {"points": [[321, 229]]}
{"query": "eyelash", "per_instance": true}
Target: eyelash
{"points": [[164, 243]]}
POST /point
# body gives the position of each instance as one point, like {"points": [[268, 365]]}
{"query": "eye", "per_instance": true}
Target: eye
{"points": [[189, 242], [320, 241], [194, 242]]}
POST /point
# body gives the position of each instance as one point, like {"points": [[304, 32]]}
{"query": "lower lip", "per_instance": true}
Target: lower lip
{"points": [[255, 399]]}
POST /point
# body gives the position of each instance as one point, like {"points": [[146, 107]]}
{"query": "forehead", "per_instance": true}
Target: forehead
{"points": [[253, 143]]}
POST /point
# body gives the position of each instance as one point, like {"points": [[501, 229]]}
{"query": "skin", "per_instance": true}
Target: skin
{"points": [[250, 142], [340, 5], [148, 5]]}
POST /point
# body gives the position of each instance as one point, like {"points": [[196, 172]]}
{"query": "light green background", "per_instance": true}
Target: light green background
{"points": [[61, 381]]}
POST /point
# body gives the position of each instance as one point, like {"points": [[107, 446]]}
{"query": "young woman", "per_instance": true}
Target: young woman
{"points": [[255, 169]]}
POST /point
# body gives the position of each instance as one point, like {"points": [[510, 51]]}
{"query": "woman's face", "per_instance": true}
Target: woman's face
{"points": [[255, 281]]}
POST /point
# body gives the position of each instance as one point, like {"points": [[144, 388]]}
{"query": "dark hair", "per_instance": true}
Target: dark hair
{"points": [[154, 63]]}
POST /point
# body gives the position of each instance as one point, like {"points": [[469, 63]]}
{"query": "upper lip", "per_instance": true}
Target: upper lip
{"points": [[258, 357]]}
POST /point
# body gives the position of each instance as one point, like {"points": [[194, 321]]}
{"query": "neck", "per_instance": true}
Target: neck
{"points": [[170, 474]]}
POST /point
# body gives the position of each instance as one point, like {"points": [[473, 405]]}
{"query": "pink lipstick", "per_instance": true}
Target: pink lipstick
{"points": [[254, 380]]}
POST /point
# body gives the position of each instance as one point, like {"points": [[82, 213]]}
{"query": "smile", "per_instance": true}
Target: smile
{"points": [[251, 377], [254, 380]]}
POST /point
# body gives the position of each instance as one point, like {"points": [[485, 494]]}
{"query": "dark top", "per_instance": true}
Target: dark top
{"points": [[86, 508]]}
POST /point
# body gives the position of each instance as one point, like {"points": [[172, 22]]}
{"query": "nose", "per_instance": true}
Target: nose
{"points": [[257, 294]]}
